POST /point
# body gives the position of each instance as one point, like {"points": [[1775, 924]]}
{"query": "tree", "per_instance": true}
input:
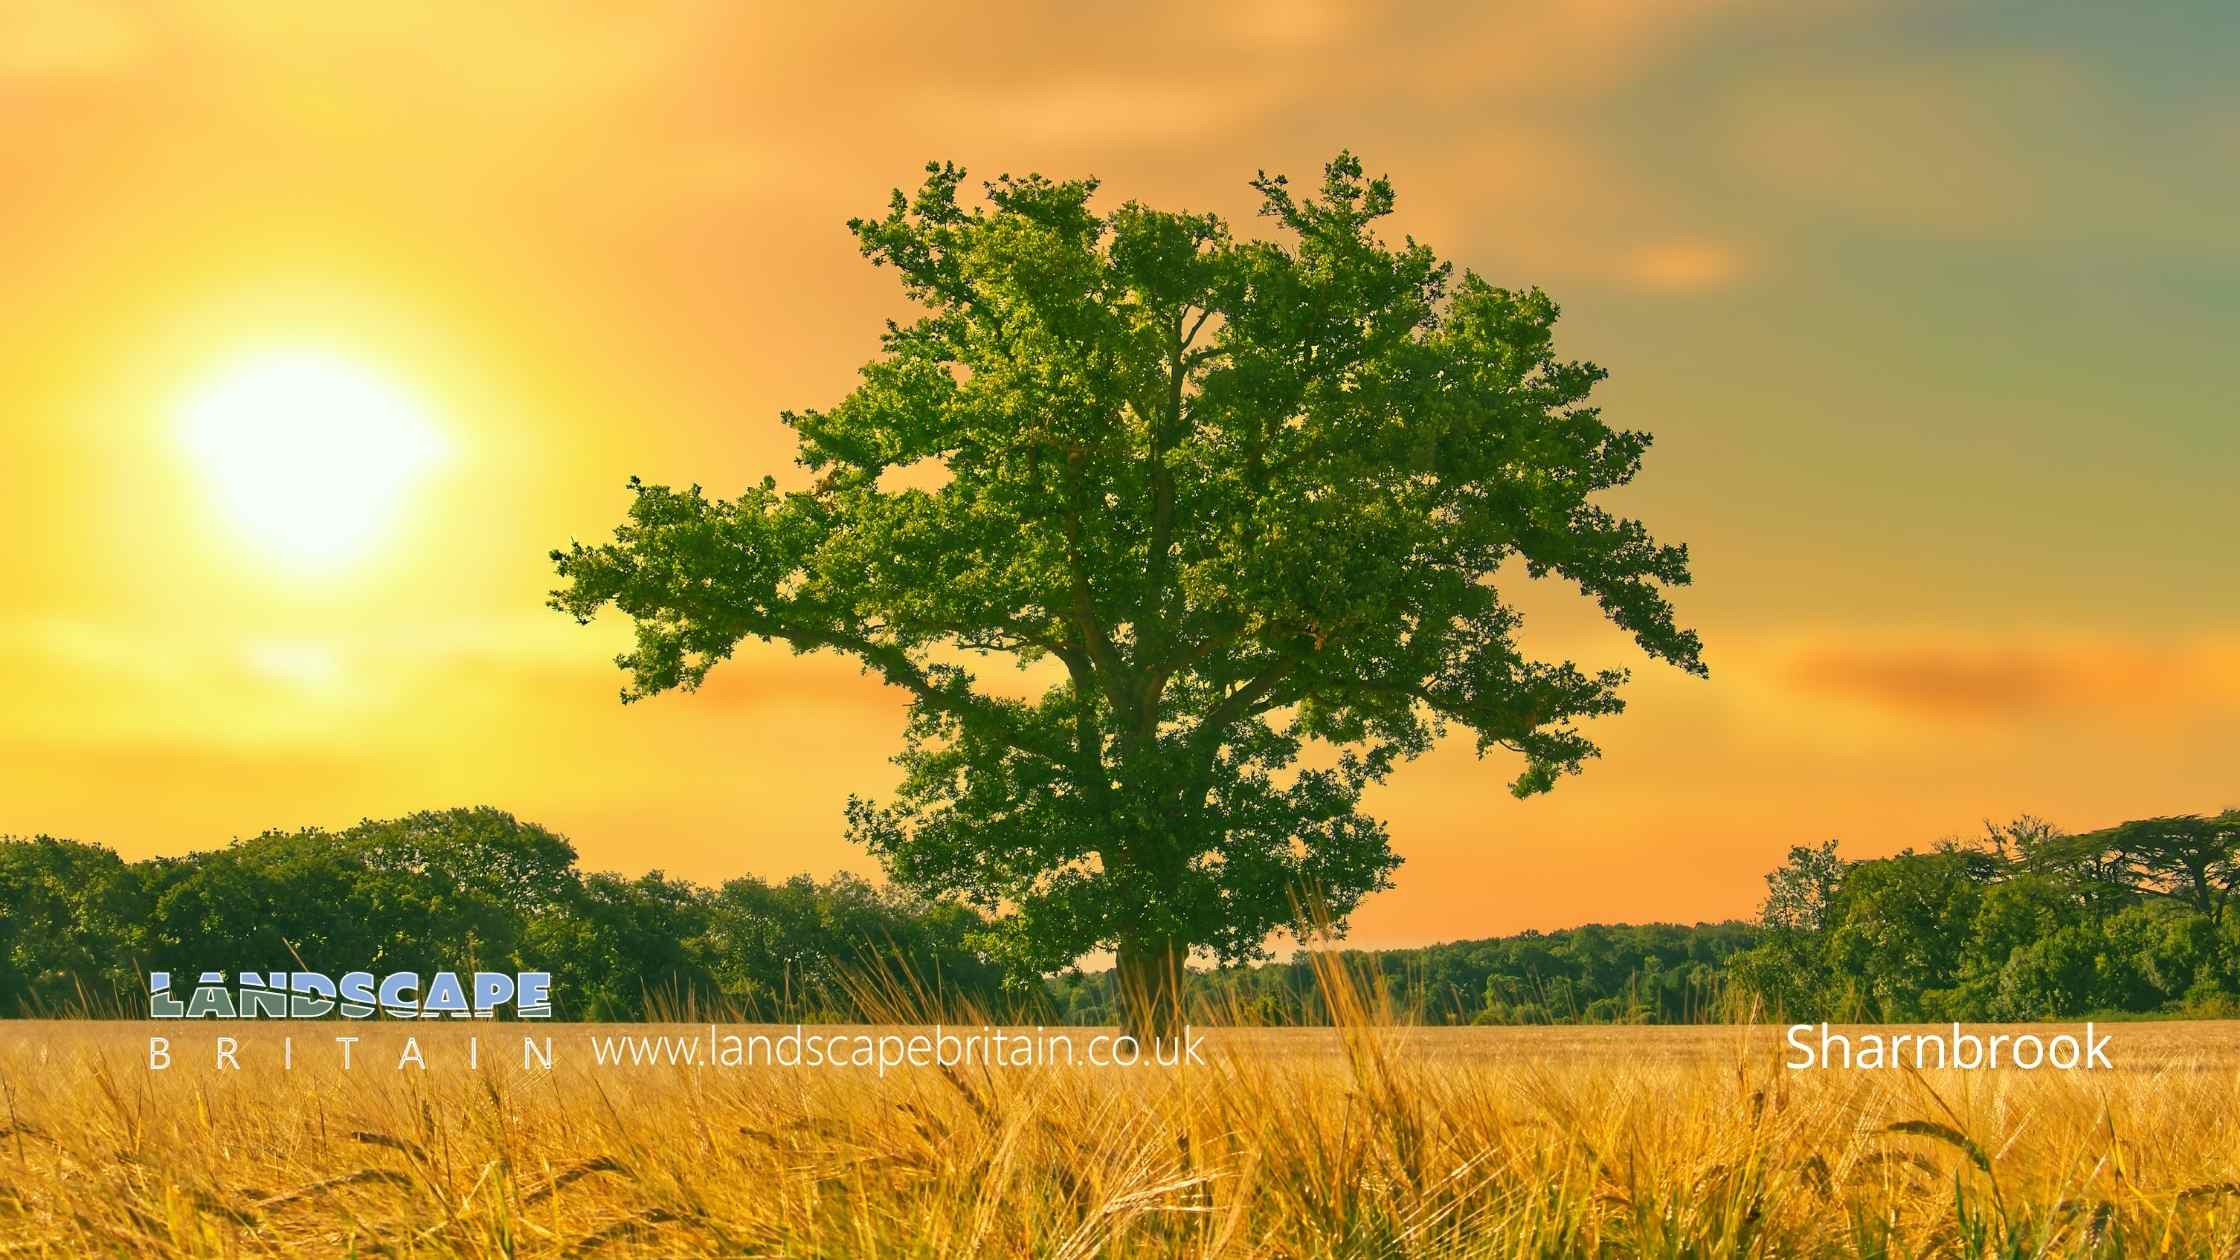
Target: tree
{"points": [[1898, 928], [71, 918], [1799, 890], [2189, 857], [1224, 499], [620, 948], [1786, 969], [2094, 868], [804, 948], [440, 889]]}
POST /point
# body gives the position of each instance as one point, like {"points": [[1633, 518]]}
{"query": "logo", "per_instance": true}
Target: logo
{"points": [[357, 995]]}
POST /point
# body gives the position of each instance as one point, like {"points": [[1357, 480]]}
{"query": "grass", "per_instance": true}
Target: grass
{"points": [[1369, 1140]]}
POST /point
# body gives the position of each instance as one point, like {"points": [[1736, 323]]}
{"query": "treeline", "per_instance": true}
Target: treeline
{"points": [[467, 889], [464, 889], [2021, 923], [1655, 973]]}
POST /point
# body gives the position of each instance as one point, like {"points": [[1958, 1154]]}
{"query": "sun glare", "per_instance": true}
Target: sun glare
{"points": [[310, 454], [307, 665]]}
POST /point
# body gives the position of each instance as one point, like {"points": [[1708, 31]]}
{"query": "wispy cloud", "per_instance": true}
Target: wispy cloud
{"points": [[2109, 677]]}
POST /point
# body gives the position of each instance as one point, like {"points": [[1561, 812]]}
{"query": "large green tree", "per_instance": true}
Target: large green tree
{"points": [[1223, 498]]}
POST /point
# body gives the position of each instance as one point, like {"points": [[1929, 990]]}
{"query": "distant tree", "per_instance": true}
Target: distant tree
{"points": [[1786, 972], [620, 948], [1899, 927], [2190, 857], [440, 889], [2017, 910], [480, 851], [2047, 977], [72, 921], [2093, 868], [1243, 496], [801, 946], [1799, 890]]}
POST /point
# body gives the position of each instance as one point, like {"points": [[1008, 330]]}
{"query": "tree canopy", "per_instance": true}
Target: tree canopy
{"points": [[1224, 497]]}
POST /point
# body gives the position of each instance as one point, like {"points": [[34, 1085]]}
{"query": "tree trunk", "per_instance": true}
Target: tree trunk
{"points": [[1150, 976]]}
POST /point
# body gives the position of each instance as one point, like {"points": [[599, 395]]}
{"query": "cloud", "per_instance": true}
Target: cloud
{"points": [[1990, 680]]}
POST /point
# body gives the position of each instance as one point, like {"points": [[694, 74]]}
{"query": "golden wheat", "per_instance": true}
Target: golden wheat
{"points": [[1372, 1140]]}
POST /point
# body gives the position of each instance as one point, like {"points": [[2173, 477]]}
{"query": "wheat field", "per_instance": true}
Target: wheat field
{"points": [[1370, 1140]]}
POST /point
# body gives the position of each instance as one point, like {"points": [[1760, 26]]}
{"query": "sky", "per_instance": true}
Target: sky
{"points": [[1931, 309]]}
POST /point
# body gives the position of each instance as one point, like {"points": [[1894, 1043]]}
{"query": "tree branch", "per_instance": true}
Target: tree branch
{"points": [[982, 716]]}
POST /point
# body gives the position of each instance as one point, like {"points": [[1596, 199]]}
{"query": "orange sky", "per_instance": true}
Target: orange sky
{"points": [[1931, 314]]}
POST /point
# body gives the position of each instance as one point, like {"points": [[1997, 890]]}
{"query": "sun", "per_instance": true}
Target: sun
{"points": [[309, 453]]}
